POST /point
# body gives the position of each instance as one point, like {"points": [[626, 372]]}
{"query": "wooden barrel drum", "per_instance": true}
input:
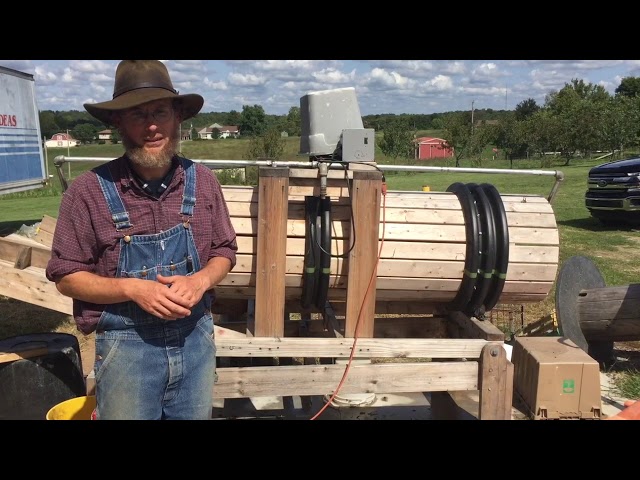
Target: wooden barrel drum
{"points": [[425, 254]]}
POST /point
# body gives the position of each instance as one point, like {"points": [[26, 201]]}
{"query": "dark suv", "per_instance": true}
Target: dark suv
{"points": [[613, 193]]}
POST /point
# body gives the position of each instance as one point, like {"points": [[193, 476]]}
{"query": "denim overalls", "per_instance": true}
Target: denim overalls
{"points": [[148, 368]]}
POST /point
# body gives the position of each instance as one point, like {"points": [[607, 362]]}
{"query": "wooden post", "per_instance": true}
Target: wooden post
{"points": [[360, 305], [273, 198], [495, 383]]}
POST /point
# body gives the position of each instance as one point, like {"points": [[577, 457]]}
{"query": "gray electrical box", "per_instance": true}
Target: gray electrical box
{"points": [[358, 145], [324, 115]]}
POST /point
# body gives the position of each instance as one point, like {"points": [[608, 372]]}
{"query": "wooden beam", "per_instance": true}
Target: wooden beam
{"points": [[252, 347], [11, 247], [384, 327], [469, 327], [495, 384], [242, 382], [46, 229], [24, 258], [271, 256], [30, 285], [6, 357], [363, 258]]}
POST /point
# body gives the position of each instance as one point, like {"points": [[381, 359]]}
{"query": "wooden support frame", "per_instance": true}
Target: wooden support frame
{"points": [[470, 359], [485, 369]]}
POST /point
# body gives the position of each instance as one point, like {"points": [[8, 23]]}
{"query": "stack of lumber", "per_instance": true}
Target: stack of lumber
{"points": [[22, 269]]}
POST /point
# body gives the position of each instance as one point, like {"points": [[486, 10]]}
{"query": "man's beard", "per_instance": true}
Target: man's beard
{"points": [[144, 158]]}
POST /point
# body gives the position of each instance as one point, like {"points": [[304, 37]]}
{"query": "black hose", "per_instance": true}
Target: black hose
{"points": [[502, 245], [472, 257], [488, 247], [311, 252], [325, 252]]}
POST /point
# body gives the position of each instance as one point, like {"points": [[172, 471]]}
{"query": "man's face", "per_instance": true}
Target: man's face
{"points": [[150, 133]]}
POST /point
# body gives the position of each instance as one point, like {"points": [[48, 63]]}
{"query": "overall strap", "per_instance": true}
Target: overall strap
{"points": [[119, 214], [189, 193]]}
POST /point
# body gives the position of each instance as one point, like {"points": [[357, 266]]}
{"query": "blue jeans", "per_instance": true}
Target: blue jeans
{"points": [[156, 371]]}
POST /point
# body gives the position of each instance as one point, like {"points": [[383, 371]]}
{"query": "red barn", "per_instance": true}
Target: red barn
{"points": [[430, 147]]}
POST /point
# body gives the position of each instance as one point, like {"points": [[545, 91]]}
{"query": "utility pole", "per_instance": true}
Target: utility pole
{"points": [[472, 102], [68, 155]]}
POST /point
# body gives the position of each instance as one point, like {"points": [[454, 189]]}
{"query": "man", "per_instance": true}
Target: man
{"points": [[140, 243]]}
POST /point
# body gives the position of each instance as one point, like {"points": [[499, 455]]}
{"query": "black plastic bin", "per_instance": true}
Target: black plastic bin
{"points": [[47, 371]]}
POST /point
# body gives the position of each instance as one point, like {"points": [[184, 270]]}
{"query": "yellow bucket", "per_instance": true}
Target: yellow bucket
{"points": [[426, 188], [79, 408]]}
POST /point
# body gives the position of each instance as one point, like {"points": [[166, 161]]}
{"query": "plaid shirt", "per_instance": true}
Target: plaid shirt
{"points": [[86, 240]]}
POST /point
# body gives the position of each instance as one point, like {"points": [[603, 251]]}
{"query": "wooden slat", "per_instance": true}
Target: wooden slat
{"points": [[6, 357], [31, 285], [242, 382], [342, 347], [12, 245], [534, 236], [46, 230], [429, 232], [469, 327], [408, 269], [390, 249], [543, 254], [419, 250]]}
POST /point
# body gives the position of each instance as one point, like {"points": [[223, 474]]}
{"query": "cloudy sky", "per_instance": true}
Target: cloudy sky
{"points": [[382, 86]]}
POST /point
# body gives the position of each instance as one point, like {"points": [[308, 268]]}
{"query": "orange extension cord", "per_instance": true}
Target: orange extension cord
{"points": [[371, 282]]}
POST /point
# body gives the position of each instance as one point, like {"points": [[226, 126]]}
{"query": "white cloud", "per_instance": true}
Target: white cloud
{"points": [[246, 80], [382, 86]]}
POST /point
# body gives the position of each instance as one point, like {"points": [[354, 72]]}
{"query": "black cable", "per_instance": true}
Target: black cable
{"points": [[484, 281], [472, 257], [318, 259], [352, 220], [502, 245], [325, 252], [312, 253]]}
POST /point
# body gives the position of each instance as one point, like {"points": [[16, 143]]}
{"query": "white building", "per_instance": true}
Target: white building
{"points": [[59, 140]]}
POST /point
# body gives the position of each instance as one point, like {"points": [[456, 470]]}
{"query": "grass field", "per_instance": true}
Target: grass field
{"points": [[611, 248]]}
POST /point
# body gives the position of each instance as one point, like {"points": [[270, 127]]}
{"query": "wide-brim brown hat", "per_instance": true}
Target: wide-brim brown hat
{"points": [[142, 81]]}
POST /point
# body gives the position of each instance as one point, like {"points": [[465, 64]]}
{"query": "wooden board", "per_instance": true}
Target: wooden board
{"points": [[46, 230]]}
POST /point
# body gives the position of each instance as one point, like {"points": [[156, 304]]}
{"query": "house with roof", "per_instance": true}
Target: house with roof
{"points": [[229, 131], [428, 148], [61, 140], [223, 131], [105, 135]]}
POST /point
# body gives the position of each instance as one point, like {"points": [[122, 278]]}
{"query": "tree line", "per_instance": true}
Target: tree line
{"points": [[252, 121], [578, 119]]}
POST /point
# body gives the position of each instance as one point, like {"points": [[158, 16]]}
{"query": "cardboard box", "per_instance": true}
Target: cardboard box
{"points": [[556, 379]]}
